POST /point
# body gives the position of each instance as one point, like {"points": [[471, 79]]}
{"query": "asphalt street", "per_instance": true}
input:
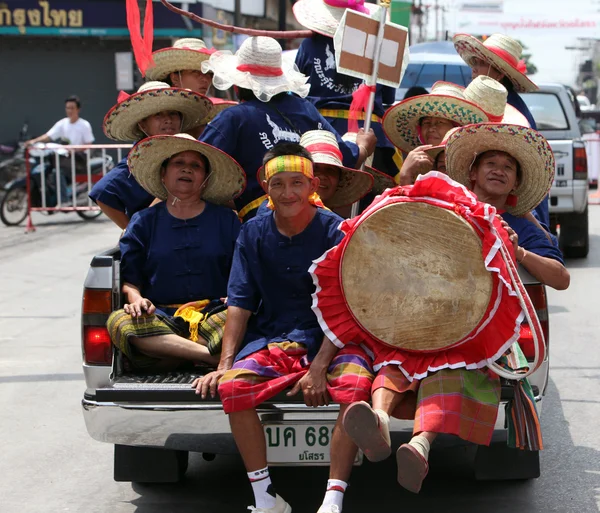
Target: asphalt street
{"points": [[49, 463]]}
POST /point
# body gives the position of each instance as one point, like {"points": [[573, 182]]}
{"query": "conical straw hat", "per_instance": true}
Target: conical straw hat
{"points": [[226, 181], [527, 146], [401, 122], [381, 181], [501, 52], [185, 54], [121, 121]]}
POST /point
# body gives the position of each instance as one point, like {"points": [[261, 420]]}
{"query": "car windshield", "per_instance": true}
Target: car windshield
{"points": [[547, 111], [425, 74]]}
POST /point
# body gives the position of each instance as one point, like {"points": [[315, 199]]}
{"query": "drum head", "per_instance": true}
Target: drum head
{"points": [[413, 276]]}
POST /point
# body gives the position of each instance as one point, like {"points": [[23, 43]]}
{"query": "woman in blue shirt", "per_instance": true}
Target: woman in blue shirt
{"points": [[156, 109], [176, 255]]}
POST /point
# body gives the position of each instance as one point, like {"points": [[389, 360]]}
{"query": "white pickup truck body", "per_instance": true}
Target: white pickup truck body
{"points": [[554, 113], [155, 420]]}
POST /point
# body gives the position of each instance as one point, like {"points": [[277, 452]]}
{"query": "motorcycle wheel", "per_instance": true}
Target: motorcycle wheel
{"points": [[13, 209], [82, 200]]}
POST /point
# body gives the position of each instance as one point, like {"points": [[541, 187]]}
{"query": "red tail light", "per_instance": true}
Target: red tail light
{"points": [[97, 348], [580, 166], [537, 294]]}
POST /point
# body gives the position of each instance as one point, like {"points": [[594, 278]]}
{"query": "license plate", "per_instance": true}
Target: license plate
{"points": [[300, 444]]}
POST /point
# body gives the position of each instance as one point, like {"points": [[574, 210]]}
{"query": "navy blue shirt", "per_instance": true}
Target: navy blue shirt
{"points": [[532, 238], [174, 261], [246, 131], [120, 190], [270, 277], [330, 90]]}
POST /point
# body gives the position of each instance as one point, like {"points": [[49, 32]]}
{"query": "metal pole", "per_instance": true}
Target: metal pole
{"points": [[437, 20], [282, 21], [73, 180], [30, 227], [373, 80]]}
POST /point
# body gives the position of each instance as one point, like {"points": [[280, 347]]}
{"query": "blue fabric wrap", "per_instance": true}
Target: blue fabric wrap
{"points": [[120, 190], [330, 90], [247, 131], [174, 261], [270, 277], [532, 238]]}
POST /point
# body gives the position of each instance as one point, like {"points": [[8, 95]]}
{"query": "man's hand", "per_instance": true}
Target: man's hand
{"points": [[367, 140], [141, 306], [314, 387], [514, 239], [208, 382], [417, 162]]}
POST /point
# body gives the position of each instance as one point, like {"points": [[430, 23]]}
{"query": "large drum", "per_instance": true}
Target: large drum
{"points": [[425, 279]]}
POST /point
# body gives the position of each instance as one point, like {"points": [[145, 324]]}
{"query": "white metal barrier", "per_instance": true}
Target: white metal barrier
{"points": [[51, 166]]}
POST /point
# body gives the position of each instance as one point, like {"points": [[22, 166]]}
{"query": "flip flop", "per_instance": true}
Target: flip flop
{"points": [[412, 468], [363, 426]]}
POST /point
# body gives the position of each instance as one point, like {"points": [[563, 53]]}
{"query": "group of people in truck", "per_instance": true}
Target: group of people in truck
{"points": [[225, 207]]}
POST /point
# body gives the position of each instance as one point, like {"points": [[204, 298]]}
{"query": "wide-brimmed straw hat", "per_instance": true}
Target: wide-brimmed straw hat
{"points": [[258, 66], [324, 16], [491, 96], [526, 145], [219, 105], [501, 52], [226, 180], [381, 181], [401, 122], [324, 149], [121, 121], [185, 54]]}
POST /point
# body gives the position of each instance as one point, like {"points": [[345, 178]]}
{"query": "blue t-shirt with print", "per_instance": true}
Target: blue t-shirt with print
{"points": [[248, 130], [332, 90]]}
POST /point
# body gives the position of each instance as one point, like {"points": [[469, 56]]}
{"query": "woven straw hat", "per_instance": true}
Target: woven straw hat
{"points": [[324, 16], [491, 96], [381, 181], [258, 66], [121, 121], [226, 181], [185, 54], [501, 52], [426, 286], [324, 149], [219, 105], [401, 122], [531, 150]]}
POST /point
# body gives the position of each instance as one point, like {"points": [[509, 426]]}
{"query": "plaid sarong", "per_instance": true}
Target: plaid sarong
{"points": [[265, 373], [458, 402], [208, 332]]}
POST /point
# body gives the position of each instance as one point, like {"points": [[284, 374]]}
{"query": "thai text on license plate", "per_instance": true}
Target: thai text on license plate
{"points": [[300, 443]]}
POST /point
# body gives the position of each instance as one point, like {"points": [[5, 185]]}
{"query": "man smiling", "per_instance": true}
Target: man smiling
{"points": [[281, 344]]}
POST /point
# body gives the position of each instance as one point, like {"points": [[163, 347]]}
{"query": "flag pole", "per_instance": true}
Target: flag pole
{"points": [[385, 5]]}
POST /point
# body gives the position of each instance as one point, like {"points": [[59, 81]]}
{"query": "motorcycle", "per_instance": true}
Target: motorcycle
{"points": [[13, 208], [12, 158]]}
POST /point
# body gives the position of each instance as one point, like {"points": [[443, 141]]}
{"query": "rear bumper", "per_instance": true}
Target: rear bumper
{"points": [[566, 200], [203, 427]]}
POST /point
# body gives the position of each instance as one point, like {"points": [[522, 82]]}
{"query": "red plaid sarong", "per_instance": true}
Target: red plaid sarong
{"points": [[455, 401], [265, 373]]}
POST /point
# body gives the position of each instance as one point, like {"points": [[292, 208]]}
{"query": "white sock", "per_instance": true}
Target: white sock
{"points": [[421, 444], [335, 493], [264, 493]]}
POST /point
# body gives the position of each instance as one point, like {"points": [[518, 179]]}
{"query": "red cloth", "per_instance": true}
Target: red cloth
{"points": [[265, 373], [500, 325], [142, 46]]}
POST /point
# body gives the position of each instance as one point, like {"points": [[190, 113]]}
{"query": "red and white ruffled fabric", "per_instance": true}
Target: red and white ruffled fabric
{"points": [[499, 327]]}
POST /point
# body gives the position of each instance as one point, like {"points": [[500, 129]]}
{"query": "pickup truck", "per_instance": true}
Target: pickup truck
{"points": [[155, 420], [554, 109]]}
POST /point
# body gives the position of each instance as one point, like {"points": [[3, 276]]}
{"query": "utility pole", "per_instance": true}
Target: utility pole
{"points": [[437, 20], [282, 21]]}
